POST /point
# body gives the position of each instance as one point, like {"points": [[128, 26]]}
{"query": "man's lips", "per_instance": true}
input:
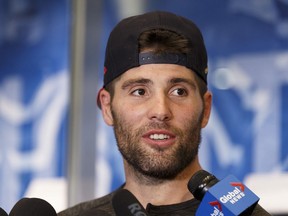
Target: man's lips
{"points": [[160, 138]]}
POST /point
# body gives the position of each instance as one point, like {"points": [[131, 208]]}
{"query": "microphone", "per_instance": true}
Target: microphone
{"points": [[32, 207], [126, 204], [227, 197], [3, 212]]}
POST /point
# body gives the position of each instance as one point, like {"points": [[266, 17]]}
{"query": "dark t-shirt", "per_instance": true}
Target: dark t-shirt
{"points": [[103, 207]]}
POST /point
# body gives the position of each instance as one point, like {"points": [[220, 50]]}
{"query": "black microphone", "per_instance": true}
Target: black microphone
{"points": [[126, 204], [3, 212], [32, 207], [227, 197]]}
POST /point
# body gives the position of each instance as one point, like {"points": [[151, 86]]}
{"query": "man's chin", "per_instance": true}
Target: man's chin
{"points": [[159, 174]]}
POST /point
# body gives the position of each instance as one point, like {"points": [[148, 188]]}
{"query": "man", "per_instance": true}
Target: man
{"points": [[155, 96]]}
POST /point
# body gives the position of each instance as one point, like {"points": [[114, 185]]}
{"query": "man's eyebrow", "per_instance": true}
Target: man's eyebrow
{"points": [[135, 81], [183, 80]]}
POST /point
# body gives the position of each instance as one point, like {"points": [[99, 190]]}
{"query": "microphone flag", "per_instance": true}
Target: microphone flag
{"points": [[229, 197]]}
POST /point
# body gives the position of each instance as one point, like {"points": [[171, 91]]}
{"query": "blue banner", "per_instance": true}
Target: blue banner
{"points": [[33, 93]]}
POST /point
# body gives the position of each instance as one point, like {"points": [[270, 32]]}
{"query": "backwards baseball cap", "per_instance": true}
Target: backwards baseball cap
{"points": [[122, 51]]}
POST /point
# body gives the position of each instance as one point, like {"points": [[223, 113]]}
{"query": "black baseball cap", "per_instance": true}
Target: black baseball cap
{"points": [[122, 50]]}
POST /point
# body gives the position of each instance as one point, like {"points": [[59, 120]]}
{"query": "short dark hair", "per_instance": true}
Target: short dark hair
{"points": [[166, 41], [163, 41]]}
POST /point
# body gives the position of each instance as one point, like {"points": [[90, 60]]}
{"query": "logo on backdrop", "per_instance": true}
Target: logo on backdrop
{"points": [[37, 123]]}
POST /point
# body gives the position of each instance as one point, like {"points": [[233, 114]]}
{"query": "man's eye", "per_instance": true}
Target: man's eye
{"points": [[179, 92], [139, 92]]}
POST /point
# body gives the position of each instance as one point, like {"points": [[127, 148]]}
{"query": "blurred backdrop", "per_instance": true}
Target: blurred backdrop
{"points": [[53, 142]]}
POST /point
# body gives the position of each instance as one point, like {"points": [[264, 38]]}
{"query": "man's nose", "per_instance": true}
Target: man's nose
{"points": [[160, 108]]}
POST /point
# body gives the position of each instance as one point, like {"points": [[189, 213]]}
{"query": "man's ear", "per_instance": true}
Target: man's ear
{"points": [[207, 108], [105, 101]]}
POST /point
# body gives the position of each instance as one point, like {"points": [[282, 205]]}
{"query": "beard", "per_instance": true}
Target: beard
{"points": [[158, 163]]}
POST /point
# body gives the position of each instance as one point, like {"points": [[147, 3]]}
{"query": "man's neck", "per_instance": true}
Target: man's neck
{"points": [[160, 192]]}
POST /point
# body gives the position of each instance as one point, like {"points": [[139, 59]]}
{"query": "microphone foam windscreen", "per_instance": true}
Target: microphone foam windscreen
{"points": [[3, 212], [32, 207], [126, 204], [200, 182]]}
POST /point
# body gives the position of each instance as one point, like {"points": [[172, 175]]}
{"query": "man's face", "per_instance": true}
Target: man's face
{"points": [[157, 114]]}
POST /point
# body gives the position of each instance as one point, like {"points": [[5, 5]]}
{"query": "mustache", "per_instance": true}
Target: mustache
{"points": [[151, 125], [157, 126]]}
